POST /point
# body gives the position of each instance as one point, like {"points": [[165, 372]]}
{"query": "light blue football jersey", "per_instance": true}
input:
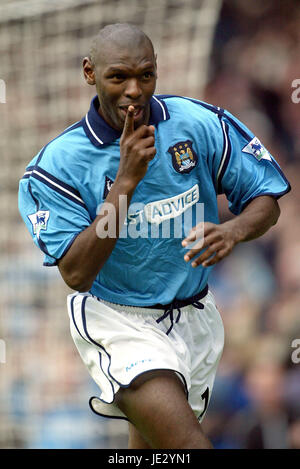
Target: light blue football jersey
{"points": [[202, 151]]}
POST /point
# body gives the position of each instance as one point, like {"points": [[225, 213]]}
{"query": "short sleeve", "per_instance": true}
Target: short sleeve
{"points": [[243, 167], [53, 212]]}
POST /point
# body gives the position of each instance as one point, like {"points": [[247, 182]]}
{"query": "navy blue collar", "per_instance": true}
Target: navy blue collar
{"points": [[99, 132]]}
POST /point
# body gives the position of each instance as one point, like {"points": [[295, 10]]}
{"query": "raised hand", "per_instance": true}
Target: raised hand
{"points": [[217, 241], [136, 149]]}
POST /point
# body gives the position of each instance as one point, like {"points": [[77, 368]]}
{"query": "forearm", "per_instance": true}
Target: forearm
{"points": [[220, 239], [256, 219], [93, 246]]}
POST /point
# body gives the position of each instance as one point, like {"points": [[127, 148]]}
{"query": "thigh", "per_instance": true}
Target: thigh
{"points": [[156, 405], [118, 346], [135, 439]]}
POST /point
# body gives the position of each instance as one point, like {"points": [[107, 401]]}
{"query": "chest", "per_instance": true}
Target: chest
{"points": [[178, 174]]}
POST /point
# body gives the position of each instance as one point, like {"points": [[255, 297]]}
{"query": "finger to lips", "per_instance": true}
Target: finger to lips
{"points": [[129, 121]]}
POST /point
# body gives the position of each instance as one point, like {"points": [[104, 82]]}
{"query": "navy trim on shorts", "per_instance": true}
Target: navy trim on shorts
{"points": [[73, 318], [178, 304], [170, 307], [84, 324], [175, 303], [107, 375], [89, 339], [181, 303], [125, 386]]}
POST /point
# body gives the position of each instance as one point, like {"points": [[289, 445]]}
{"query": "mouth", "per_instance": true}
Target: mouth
{"points": [[138, 111]]}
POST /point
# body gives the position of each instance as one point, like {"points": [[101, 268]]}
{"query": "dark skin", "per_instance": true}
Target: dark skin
{"points": [[125, 83], [219, 240], [125, 79], [123, 76]]}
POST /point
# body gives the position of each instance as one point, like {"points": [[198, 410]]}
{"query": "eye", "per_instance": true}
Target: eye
{"points": [[116, 77], [148, 75]]}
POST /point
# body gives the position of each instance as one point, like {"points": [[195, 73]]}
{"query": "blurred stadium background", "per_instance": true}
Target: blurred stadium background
{"points": [[240, 55]]}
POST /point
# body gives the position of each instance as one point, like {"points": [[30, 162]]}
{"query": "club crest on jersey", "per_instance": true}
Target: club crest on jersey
{"points": [[184, 158], [39, 221], [107, 186], [256, 148]]}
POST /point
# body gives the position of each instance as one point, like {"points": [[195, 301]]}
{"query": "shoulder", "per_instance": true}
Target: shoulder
{"points": [[194, 114], [59, 152], [56, 164], [65, 142], [55, 167], [185, 104]]}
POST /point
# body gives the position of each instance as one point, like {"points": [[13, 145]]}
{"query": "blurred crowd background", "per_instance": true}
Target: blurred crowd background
{"points": [[256, 404], [240, 55]]}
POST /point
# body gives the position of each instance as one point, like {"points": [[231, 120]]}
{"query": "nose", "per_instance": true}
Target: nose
{"points": [[133, 89]]}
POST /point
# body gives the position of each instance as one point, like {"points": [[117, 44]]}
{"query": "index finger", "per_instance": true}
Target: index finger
{"points": [[129, 121], [202, 230], [195, 233]]}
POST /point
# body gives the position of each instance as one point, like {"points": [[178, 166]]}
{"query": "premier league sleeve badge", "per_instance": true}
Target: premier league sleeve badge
{"points": [[184, 158], [39, 221]]}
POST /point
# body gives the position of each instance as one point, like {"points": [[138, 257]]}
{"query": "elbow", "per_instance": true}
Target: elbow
{"points": [[75, 280], [78, 284], [276, 212]]}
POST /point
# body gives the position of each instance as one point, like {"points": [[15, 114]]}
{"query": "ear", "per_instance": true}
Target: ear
{"points": [[88, 71]]}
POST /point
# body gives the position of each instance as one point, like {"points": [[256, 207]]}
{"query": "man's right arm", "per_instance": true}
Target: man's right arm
{"points": [[93, 246]]}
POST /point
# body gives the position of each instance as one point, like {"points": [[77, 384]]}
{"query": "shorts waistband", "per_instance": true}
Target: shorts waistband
{"points": [[177, 304], [168, 309]]}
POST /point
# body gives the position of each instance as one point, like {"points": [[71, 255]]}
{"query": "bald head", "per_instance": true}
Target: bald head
{"points": [[118, 36], [122, 65]]}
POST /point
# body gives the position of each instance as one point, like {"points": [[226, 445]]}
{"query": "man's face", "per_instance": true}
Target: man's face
{"points": [[125, 76]]}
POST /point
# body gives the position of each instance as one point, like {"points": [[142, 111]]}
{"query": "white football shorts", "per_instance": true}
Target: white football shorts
{"points": [[118, 343]]}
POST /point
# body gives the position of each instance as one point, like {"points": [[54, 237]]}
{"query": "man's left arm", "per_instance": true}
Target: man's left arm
{"points": [[218, 240]]}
